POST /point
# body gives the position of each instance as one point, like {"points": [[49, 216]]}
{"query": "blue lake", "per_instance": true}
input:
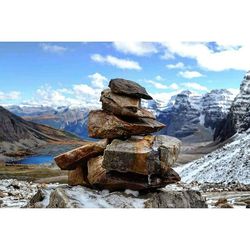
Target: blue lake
{"points": [[35, 159]]}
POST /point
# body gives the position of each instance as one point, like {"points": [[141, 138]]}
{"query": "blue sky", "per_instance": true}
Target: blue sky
{"points": [[46, 73]]}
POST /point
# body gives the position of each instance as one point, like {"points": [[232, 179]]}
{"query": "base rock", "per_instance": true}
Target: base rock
{"points": [[81, 197]]}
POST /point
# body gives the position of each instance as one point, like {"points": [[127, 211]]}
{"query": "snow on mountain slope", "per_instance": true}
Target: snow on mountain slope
{"points": [[190, 114], [238, 119], [230, 163]]}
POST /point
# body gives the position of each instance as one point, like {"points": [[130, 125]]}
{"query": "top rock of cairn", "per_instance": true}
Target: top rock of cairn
{"points": [[129, 88], [129, 157]]}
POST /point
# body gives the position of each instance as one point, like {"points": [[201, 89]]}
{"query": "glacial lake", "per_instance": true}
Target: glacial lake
{"points": [[35, 159]]}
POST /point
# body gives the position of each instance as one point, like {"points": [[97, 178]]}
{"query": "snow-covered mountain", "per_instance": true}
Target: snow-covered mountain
{"points": [[231, 163], [187, 115], [238, 119], [190, 114]]}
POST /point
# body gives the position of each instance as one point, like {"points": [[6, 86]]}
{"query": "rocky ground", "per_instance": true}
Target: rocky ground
{"points": [[20, 194]]}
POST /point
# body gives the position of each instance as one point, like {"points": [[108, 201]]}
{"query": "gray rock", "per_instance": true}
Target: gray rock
{"points": [[129, 88], [142, 155], [82, 197], [176, 199]]}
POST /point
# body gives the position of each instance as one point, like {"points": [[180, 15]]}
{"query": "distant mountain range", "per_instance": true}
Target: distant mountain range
{"points": [[17, 134], [188, 116], [231, 163]]}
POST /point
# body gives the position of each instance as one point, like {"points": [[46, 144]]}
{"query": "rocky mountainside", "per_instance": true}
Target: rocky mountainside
{"points": [[188, 114], [19, 134], [68, 118], [228, 164], [238, 119]]}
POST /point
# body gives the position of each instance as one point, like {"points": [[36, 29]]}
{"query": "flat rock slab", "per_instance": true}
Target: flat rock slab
{"points": [[129, 88], [82, 197], [70, 159], [102, 124], [146, 155], [123, 105]]}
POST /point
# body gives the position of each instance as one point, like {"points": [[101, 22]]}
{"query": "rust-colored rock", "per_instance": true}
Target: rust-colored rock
{"points": [[128, 88], [123, 105], [79, 176], [69, 160], [104, 125], [101, 179], [142, 155]]}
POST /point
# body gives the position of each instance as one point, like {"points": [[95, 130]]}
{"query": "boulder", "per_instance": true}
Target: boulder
{"points": [[144, 155], [79, 176], [82, 197], [105, 125], [100, 178], [175, 199], [70, 159], [123, 105], [128, 88]]}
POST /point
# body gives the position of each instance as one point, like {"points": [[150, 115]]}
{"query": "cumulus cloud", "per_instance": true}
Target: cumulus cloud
{"points": [[82, 94], [117, 62], [13, 95], [136, 48], [159, 78], [195, 86], [189, 74], [98, 80], [178, 65], [223, 57], [159, 85], [174, 86], [53, 48]]}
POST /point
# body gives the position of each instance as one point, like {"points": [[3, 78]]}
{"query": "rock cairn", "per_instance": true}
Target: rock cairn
{"points": [[128, 156]]}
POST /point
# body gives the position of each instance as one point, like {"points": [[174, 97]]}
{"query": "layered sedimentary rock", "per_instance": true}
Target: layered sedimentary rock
{"points": [[129, 157], [142, 155], [123, 105], [69, 160], [106, 125]]}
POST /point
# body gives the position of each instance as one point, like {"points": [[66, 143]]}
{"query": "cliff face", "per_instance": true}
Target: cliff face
{"points": [[238, 119], [188, 114]]}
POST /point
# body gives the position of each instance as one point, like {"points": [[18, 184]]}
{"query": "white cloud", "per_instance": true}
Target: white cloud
{"points": [[189, 74], [225, 57], [53, 48], [83, 95], [174, 86], [167, 55], [159, 78], [194, 85], [136, 48], [157, 84], [13, 95], [117, 62], [178, 65], [98, 80]]}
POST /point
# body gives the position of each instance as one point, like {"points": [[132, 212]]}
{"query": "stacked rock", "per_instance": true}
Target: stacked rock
{"points": [[128, 157]]}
